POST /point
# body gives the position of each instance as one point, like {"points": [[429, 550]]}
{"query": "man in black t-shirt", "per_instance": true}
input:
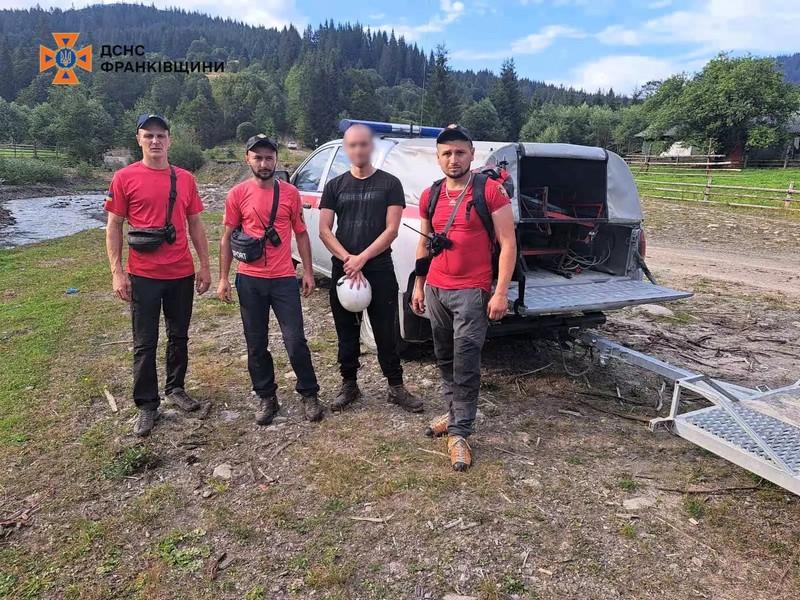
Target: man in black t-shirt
{"points": [[368, 205]]}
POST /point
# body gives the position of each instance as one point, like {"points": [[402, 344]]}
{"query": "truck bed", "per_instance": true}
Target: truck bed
{"points": [[548, 293]]}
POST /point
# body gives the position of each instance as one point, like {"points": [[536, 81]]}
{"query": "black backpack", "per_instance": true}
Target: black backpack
{"points": [[478, 204]]}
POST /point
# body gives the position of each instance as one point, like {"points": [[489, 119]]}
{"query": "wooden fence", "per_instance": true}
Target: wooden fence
{"points": [[731, 195], [697, 163], [14, 150], [645, 163]]}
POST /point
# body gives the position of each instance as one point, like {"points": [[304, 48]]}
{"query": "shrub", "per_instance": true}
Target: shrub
{"points": [[19, 171], [245, 131], [185, 153]]}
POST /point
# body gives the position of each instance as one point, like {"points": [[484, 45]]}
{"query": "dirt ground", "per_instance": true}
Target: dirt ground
{"points": [[571, 496]]}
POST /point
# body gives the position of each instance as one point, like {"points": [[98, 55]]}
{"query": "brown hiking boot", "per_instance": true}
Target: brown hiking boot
{"points": [[312, 411], [399, 395], [182, 400], [347, 395], [145, 422], [438, 427], [460, 452], [267, 409]]}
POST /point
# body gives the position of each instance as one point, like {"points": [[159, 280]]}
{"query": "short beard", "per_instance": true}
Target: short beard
{"points": [[460, 175], [261, 176]]}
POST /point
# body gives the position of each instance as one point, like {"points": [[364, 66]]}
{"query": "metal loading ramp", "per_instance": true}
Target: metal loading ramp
{"points": [[756, 429]]}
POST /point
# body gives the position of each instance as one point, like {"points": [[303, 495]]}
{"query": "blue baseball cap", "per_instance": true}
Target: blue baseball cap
{"points": [[146, 118]]}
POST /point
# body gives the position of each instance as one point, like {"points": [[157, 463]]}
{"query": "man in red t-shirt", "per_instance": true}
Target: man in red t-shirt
{"points": [[269, 281], [163, 277], [454, 282]]}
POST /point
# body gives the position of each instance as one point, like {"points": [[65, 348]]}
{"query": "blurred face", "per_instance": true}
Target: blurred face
{"points": [[455, 158], [154, 141], [358, 145], [262, 161]]}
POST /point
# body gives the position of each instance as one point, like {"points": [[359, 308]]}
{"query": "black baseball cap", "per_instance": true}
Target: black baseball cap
{"points": [[260, 140], [145, 118], [454, 132]]}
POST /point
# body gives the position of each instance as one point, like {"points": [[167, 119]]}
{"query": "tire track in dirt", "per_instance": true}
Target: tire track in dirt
{"points": [[773, 273]]}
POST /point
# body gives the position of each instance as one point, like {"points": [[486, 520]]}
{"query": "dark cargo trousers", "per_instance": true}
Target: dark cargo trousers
{"points": [[148, 298], [384, 316], [459, 323], [257, 296]]}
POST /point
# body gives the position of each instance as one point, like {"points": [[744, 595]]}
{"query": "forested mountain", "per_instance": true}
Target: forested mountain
{"points": [[790, 65], [285, 81], [299, 84]]}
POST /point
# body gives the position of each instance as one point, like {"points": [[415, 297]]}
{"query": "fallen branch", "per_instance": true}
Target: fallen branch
{"points": [[788, 568], [526, 373], [112, 402], [20, 518], [214, 567], [281, 448], [373, 519], [621, 415], [437, 453], [572, 413], [681, 531], [610, 396], [527, 459], [709, 491]]}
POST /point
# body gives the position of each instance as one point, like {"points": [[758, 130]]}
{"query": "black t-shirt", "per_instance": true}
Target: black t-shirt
{"points": [[360, 206]]}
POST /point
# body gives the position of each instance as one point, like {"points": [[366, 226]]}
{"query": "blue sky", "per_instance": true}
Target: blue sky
{"points": [[585, 43]]}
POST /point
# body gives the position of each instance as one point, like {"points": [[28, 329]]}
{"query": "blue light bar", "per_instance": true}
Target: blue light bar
{"points": [[405, 129]]}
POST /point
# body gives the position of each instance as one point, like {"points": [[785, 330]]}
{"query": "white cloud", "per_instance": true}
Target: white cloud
{"points": [[624, 73], [530, 44], [764, 26], [536, 42], [266, 13], [617, 35], [450, 11]]}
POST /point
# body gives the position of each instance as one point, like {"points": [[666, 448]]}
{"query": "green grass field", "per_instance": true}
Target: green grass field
{"points": [[660, 182]]}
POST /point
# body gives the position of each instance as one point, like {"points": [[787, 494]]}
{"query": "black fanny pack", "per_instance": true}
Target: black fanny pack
{"points": [[246, 248], [149, 239]]}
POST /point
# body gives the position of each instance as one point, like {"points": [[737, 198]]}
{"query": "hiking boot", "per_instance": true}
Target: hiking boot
{"points": [[347, 395], [182, 400], [460, 453], [267, 409], [399, 395], [145, 422], [312, 411], [438, 427]]}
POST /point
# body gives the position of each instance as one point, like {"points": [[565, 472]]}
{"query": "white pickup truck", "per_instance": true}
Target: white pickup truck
{"points": [[578, 221]]}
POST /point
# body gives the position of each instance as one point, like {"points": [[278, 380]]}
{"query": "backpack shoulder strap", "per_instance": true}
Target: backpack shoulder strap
{"points": [[479, 203], [433, 198], [276, 198], [173, 193]]}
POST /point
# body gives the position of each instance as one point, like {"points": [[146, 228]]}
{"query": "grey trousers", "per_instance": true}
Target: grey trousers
{"points": [[459, 323]]}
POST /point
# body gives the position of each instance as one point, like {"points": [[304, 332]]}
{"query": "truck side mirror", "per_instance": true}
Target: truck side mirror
{"points": [[282, 174]]}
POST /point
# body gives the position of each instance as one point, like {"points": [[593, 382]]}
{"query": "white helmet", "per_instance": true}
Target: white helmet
{"points": [[355, 298]]}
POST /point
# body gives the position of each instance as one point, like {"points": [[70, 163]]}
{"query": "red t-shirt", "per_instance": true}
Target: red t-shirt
{"points": [[468, 263], [241, 205], [141, 195]]}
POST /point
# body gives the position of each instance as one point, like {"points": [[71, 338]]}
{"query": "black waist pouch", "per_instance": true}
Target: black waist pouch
{"points": [[246, 248], [146, 239], [149, 239]]}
